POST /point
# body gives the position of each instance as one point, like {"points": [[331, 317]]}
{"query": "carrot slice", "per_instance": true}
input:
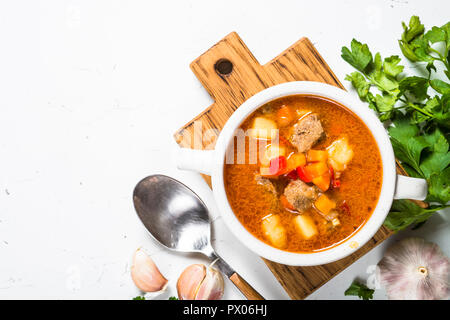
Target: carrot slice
{"points": [[316, 169], [322, 182], [317, 156], [284, 116], [295, 160], [324, 204]]}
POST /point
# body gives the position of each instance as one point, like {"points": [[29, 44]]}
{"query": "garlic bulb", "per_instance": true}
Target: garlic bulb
{"points": [[198, 282], [146, 274], [414, 269]]}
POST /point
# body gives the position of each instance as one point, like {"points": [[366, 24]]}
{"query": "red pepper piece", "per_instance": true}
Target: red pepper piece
{"points": [[278, 165], [344, 207], [303, 175], [335, 183], [283, 141], [292, 175]]}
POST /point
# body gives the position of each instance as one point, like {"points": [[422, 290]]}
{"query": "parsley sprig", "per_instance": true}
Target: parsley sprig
{"points": [[419, 123], [360, 290]]}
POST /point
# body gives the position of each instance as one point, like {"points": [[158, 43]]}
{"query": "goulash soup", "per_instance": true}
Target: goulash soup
{"points": [[305, 175]]}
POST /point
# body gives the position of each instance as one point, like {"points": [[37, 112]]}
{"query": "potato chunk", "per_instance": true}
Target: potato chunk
{"points": [[340, 154], [274, 231], [272, 151], [264, 128], [296, 160], [305, 226]]}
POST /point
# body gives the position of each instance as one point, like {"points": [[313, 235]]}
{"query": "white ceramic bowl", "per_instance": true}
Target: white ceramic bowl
{"points": [[394, 186]]}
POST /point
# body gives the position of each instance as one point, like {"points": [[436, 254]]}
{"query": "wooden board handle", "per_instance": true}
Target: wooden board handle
{"points": [[246, 289], [230, 72]]}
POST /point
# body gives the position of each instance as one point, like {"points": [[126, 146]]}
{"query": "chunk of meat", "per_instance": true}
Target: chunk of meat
{"points": [[306, 132], [266, 183], [300, 195]]}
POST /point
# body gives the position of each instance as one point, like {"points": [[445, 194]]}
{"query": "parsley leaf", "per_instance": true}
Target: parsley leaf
{"points": [[411, 33], [391, 67], [440, 86], [381, 79], [405, 212], [417, 86], [359, 57], [436, 34], [385, 102], [419, 125], [427, 153], [139, 298], [439, 187], [414, 30], [374, 72], [360, 84], [173, 298], [416, 44], [360, 290], [407, 145]]}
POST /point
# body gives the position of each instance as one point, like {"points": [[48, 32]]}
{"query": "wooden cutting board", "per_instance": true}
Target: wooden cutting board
{"points": [[231, 75]]}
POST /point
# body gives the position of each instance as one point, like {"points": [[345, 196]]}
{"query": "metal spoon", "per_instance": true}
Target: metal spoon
{"points": [[177, 218]]}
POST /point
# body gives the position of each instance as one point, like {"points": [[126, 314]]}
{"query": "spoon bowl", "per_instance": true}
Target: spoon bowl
{"points": [[177, 218], [173, 214]]}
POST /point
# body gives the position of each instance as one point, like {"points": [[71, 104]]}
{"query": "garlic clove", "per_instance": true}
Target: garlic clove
{"points": [[146, 274], [197, 282], [212, 286], [415, 269], [190, 280]]}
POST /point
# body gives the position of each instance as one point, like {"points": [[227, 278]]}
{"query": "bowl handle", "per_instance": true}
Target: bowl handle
{"points": [[195, 160], [410, 188]]}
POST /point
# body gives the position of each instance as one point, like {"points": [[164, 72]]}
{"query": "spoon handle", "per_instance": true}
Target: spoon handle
{"points": [[243, 286], [246, 289]]}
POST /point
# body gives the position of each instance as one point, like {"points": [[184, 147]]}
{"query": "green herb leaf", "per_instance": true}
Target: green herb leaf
{"points": [[139, 298], [417, 86], [407, 145], [359, 82], [173, 298], [422, 50], [437, 157], [414, 30], [440, 86], [436, 34], [391, 66], [405, 212], [439, 187], [385, 103], [380, 78], [359, 57], [428, 154], [360, 290], [441, 112], [420, 127]]}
